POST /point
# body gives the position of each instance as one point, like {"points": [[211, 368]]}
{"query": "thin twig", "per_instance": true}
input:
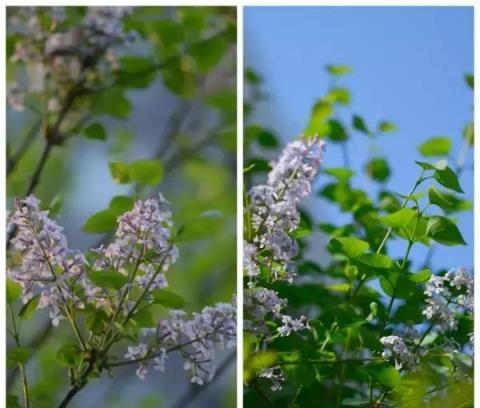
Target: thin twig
{"points": [[23, 148]]}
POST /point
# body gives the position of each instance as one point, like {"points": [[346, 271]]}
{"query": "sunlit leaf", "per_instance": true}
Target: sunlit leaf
{"points": [[436, 146]]}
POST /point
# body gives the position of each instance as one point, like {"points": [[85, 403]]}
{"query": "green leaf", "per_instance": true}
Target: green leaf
{"points": [[416, 230], [338, 69], [469, 79], [440, 165], [68, 355], [318, 124], [264, 137], [359, 124], [340, 287], [120, 172], [399, 219], [144, 318], [336, 131], [121, 204], [113, 102], [351, 247], [12, 401], [339, 95], [179, 78], [438, 198], [448, 179], [447, 202], [146, 171], [386, 127], [444, 231], [55, 205], [378, 169], [436, 146], [136, 72], [224, 100], [208, 53], [201, 227], [169, 299], [389, 376], [108, 279], [342, 174], [375, 260], [420, 277], [102, 221], [29, 308], [95, 131], [14, 290], [18, 355]]}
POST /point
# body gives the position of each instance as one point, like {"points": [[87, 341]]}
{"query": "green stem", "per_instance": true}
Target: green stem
{"points": [[419, 181], [21, 366]]}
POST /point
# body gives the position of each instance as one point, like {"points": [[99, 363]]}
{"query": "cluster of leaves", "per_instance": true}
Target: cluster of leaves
{"points": [[362, 292], [187, 51]]}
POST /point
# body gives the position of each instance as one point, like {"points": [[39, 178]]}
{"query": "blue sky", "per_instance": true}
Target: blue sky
{"points": [[408, 67]]}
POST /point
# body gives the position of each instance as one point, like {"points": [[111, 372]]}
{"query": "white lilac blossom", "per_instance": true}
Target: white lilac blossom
{"points": [[274, 206], [275, 375], [63, 57], [142, 242], [142, 250], [396, 348], [196, 339], [447, 295], [48, 267], [274, 216]]}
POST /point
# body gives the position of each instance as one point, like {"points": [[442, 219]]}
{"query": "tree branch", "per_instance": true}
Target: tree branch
{"points": [[13, 161]]}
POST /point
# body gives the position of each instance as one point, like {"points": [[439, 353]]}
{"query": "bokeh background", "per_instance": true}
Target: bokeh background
{"points": [[408, 66], [193, 133]]}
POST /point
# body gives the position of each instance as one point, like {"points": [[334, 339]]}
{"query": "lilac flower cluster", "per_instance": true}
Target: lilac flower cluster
{"points": [[273, 217], [274, 206], [447, 295], [59, 55], [273, 211], [48, 268], [396, 348], [275, 375], [142, 242], [142, 251], [197, 339]]}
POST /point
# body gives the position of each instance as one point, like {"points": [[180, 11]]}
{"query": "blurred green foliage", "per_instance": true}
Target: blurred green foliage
{"points": [[361, 292], [187, 56]]}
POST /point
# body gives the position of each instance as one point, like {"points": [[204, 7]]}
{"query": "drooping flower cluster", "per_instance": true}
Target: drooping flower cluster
{"points": [[396, 348], [48, 267], [447, 295], [273, 216], [58, 54], [197, 339]]}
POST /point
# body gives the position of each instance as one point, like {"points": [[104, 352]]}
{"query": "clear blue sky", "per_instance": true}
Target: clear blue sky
{"points": [[408, 64]]}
